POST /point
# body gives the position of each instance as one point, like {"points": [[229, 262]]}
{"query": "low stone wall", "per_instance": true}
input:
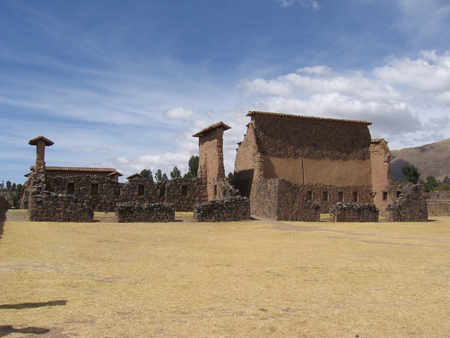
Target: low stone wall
{"points": [[283, 200], [229, 209], [145, 212], [354, 212], [438, 203], [51, 207], [410, 205]]}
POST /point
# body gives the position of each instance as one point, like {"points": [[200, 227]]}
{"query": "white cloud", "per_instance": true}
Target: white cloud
{"points": [[400, 98], [286, 3], [178, 114], [313, 4]]}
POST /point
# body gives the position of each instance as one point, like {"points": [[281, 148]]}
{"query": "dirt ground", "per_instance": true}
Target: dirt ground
{"points": [[256, 278]]}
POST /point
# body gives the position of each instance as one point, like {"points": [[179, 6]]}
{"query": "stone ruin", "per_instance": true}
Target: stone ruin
{"points": [[410, 204], [354, 212], [438, 203], [288, 167]]}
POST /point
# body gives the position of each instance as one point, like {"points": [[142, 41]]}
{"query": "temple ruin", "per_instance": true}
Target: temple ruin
{"points": [[288, 167]]}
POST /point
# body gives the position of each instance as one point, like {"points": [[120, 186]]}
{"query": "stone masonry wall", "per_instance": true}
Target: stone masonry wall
{"points": [[102, 198], [282, 200], [145, 212], [438, 203], [229, 209], [410, 205], [53, 207], [182, 193], [354, 212], [292, 137]]}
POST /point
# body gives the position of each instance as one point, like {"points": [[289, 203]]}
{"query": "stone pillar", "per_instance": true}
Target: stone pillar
{"points": [[210, 164], [40, 142]]}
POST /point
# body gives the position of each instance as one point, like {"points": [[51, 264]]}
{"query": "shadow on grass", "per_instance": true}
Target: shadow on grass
{"points": [[32, 305], [6, 330]]}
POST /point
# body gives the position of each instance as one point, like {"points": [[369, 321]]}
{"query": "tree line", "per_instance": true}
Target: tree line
{"points": [[14, 189], [412, 176], [175, 173]]}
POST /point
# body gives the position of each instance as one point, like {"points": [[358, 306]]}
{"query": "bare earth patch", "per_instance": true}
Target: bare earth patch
{"points": [[237, 279]]}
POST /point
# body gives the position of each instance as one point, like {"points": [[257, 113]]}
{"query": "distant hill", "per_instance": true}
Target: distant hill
{"points": [[431, 160]]}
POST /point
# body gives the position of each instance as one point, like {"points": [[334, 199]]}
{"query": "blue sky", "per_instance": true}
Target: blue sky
{"points": [[125, 84]]}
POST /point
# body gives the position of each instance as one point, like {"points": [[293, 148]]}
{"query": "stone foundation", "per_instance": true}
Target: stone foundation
{"points": [[223, 210], [145, 212], [410, 205], [354, 212]]}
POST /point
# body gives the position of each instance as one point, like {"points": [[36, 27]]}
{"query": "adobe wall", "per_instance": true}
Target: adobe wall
{"points": [[438, 203], [409, 206], [229, 209], [305, 151], [211, 158], [248, 165], [145, 212], [381, 173], [354, 212]]}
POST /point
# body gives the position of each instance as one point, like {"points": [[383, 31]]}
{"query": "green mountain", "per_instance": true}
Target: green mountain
{"points": [[431, 160]]}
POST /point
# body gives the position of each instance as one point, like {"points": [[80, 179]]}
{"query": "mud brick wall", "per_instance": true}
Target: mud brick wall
{"points": [[438, 203], [354, 212], [410, 206], [229, 209], [290, 137], [103, 197], [182, 193], [145, 212]]}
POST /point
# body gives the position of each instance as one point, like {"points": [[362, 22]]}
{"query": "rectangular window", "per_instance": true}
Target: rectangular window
{"points": [[140, 190], [340, 196], [309, 195], [71, 188], [162, 191], [325, 196], [94, 189], [184, 190], [215, 190], [385, 194], [355, 196]]}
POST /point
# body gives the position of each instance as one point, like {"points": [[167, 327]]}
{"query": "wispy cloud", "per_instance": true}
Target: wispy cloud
{"points": [[400, 98], [313, 4]]}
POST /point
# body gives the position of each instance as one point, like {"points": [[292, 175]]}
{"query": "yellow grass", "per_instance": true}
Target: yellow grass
{"points": [[248, 279]]}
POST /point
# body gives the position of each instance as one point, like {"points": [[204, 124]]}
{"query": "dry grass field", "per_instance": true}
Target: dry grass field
{"points": [[249, 279]]}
